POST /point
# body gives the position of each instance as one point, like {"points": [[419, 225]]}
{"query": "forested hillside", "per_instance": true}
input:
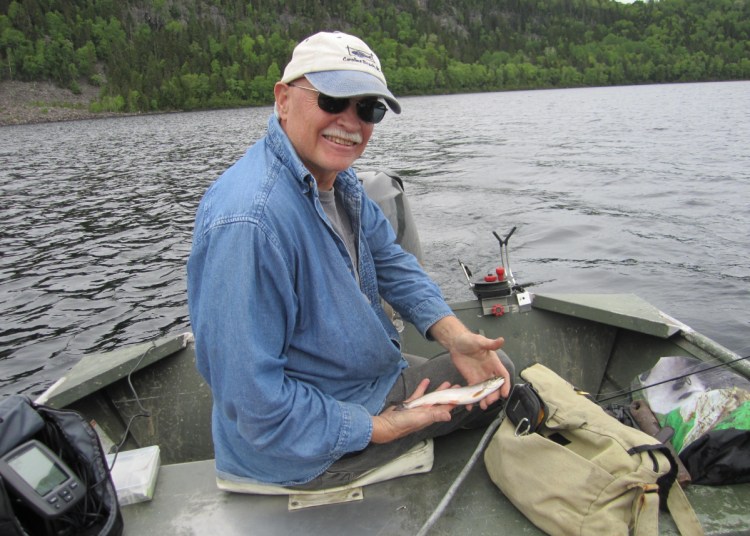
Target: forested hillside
{"points": [[149, 55]]}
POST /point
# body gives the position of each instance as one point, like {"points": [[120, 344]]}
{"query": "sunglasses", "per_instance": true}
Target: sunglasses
{"points": [[368, 110]]}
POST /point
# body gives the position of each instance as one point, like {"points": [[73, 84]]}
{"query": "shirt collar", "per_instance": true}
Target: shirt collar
{"points": [[282, 147]]}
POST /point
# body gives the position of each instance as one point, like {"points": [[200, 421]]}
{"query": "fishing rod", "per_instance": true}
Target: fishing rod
{"points": [[453, 489], [627, 393]]}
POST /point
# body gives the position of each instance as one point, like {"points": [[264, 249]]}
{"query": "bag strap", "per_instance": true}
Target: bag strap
{"points": [[671, 495], [646, 511], [646, 514], [682, 513], [666, 480]]}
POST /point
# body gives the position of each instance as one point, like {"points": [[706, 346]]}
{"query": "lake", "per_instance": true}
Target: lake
{"points": [[641, 189]]}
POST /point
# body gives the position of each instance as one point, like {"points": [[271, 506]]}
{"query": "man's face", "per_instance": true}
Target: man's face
{"points": [[326, 143]]}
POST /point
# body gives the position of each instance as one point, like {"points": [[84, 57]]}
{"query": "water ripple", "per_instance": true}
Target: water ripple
{"points": [[614, 189]]}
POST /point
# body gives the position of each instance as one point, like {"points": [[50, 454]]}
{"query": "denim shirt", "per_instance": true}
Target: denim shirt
{"points": [[298, 355]]}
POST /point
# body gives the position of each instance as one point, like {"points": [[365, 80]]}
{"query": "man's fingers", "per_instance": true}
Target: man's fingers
{"points": [[420, 390]]}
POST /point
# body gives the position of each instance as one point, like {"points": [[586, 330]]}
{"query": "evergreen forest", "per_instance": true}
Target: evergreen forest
{"points": [[156, 55]]}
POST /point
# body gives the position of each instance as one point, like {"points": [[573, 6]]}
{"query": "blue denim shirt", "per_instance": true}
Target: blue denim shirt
{"points": [[297, 354]]}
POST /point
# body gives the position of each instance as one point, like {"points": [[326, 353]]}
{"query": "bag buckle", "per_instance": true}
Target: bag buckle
{"points": [[518, 432]]}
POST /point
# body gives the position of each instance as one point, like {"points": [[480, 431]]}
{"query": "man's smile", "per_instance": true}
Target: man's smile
{"points": [[342, 137]]}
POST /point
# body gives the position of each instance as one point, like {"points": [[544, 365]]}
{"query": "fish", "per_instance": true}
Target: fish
{"points": [[460, 396]]}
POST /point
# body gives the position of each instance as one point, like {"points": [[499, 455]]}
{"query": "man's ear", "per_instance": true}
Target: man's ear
{"points": [[281, 94]]}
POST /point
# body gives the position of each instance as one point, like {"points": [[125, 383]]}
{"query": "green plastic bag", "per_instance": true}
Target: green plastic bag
{"points": [[709, 411]]}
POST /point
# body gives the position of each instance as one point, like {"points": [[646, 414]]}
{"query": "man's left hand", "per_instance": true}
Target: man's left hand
{"points": [[475, 356]]}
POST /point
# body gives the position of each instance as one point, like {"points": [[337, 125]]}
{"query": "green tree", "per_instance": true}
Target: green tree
{"points": [[162, 54]]}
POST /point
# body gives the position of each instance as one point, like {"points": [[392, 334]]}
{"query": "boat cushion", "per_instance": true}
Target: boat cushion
{"points": [[418, 459]]}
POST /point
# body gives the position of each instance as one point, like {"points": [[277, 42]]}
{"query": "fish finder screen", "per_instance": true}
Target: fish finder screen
{"points": [[38, 470]]}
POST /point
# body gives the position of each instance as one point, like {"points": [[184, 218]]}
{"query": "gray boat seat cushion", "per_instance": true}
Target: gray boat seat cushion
{"points": [[418, 459]]}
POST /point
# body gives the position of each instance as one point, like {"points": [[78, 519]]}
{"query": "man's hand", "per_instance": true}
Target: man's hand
{"points": [[393, 424], [474, 355]]}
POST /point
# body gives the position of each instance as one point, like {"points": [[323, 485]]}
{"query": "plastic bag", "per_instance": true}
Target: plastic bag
{"points": [[709, 411]]}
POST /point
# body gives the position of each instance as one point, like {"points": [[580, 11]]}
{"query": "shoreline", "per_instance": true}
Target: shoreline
{"points": [[25, 103]]}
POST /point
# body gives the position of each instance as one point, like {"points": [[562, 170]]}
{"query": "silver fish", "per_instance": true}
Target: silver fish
{"points": [[460, 396]]}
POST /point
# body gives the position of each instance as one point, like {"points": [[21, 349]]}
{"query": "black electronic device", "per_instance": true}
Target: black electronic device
{"points": [[40, 479]]}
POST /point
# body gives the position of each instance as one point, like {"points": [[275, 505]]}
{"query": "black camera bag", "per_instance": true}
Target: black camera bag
{"points": [[75, 442]]}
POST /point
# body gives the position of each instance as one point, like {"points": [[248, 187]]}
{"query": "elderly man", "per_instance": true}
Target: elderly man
{"points": [[289, 263]]}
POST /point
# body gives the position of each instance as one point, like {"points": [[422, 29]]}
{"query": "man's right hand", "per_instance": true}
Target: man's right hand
{"points": [[394, 424]]}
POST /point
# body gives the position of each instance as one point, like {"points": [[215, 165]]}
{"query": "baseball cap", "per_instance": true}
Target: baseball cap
{"points": [[339, 65]]}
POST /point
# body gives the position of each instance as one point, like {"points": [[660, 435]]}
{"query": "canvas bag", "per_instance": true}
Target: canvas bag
{"points": [[583, 472]]}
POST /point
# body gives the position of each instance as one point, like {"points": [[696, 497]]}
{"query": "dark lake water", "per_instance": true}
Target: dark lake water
{"points": [[626, 189]]}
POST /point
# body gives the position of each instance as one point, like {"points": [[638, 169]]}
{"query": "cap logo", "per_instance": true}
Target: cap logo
{"points": [[359, 53], [362, 56]]}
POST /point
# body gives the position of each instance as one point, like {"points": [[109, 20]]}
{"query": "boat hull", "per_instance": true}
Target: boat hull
{"points": [[598, 342]]}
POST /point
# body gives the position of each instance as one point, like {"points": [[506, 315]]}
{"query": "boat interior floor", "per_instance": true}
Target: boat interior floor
{"points": [[188, 502]]}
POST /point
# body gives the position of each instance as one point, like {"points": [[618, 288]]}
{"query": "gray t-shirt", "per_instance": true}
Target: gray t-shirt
{"points": [[334, 209]]}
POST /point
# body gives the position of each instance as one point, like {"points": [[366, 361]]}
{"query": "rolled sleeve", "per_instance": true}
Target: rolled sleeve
{"points": [[356, 429], [428, 313]]}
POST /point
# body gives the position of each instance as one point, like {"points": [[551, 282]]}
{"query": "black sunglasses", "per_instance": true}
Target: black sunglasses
{"points": [[368, 110]]}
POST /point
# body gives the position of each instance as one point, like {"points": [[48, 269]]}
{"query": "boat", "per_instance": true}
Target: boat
{"points": [[598, 342]]}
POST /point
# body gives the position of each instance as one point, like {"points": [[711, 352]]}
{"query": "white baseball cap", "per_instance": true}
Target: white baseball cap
{"points": [[339, 65]]}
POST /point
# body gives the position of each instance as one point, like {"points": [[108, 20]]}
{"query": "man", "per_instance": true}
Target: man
{"points": [[289, 263]]}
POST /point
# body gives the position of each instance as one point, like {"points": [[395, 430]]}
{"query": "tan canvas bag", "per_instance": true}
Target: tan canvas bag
{"points": [[583, 472]]}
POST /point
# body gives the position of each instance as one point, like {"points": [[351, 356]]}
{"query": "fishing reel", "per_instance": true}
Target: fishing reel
{"points": [[498, 291]]}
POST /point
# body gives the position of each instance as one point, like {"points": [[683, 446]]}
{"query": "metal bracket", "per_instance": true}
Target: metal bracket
{"points": [[490, 307], [308, 500], [524, 301]]}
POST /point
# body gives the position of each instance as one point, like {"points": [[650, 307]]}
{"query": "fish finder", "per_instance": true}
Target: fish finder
{"points": [[40, 479]]}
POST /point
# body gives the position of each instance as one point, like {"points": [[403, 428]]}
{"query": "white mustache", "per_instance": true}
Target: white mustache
{"points": [[353, 137]]}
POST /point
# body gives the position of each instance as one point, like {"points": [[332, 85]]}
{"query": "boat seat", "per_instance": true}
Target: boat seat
{"points": [[418, 459]]}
